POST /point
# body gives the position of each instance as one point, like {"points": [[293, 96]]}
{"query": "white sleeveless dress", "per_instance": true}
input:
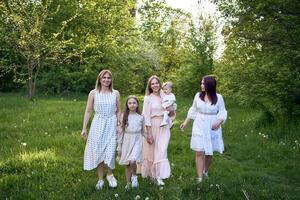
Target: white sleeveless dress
{"points": [[101, 142]]}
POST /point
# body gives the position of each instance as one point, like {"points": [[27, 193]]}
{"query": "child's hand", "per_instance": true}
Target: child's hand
{"points": [[119, 153]]}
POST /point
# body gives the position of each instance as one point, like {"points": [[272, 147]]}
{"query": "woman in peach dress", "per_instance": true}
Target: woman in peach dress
{"points": [[155, 157]]}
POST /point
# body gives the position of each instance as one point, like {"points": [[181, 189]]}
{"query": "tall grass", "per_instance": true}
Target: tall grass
{"points": [[41, 156]]}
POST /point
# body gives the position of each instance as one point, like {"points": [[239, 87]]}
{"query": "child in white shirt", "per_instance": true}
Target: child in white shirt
{"points": [[168, 102]]}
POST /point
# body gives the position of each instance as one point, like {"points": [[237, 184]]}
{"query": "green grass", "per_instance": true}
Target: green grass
{"points": [[41, 157]]}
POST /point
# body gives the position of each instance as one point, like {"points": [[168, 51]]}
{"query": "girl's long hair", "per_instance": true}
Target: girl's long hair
{"points": [[148, 87], [100, 76], [210, 85], [127, 111]]}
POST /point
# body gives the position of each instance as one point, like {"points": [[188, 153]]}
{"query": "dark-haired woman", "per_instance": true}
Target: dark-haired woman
{"points": [[208, 112]]}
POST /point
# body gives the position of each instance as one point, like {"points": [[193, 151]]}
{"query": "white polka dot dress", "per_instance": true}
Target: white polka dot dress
{"points": [[101, 142]]}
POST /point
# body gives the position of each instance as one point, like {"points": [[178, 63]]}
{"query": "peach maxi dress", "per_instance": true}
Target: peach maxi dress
{"points": [[155, 157]]}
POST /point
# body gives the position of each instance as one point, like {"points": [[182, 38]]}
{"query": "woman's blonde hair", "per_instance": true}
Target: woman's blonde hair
{"points": [[148, 87], [100, 76]]}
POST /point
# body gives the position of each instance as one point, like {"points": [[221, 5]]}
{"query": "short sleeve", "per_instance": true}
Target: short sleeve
{"points": [[147, 111], [222, 113], [193, 109]]}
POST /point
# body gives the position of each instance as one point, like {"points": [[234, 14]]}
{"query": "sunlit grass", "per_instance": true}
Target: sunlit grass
{"points": [[41, 155]]}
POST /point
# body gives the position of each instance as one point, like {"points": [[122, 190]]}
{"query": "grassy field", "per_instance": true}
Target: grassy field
{"points": [[41, 157]]}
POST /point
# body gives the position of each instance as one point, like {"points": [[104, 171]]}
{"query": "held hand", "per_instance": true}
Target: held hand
{"points": [[119, 153], [150, 139], [119, 156], [84, 134]]}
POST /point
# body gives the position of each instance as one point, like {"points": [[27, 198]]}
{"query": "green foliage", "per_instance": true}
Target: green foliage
{"points": [[260, 65], [66, 44], [185, 48]]}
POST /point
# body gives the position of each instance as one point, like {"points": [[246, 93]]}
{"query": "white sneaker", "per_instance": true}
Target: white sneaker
{"points": [[99, 185], [160, 182], [111, 181], [134, 181], [127, 186], [205, 174], [199, 179]]}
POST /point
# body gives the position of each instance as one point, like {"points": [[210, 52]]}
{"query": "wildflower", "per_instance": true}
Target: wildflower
{"points": [[137, 197], [116, 195], [147, 198], [24, 144]]}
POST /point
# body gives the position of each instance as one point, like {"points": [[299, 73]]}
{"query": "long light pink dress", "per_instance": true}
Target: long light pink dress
{"points": [[155, 157]]}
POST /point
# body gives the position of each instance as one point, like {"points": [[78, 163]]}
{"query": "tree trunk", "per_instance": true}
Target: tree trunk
{"points": [[30, 82]]}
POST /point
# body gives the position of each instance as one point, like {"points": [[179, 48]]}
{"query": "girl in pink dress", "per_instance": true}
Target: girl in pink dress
{"points": [[155, 157]]}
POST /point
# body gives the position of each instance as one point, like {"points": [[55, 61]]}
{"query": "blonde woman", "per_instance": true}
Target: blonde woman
{"points": [[155, 157], [101, 141]]}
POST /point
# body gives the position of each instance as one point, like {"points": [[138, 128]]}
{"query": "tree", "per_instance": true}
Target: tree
{"points": [[260, 65], [23, 29]]}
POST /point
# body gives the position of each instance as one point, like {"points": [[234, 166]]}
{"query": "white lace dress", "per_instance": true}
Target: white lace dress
{"points": [[101, 142], [204, 115], [132, 140]]}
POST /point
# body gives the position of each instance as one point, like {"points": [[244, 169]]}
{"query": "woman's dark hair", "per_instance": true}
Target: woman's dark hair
{"points": [[210, 85], [127, 111]]}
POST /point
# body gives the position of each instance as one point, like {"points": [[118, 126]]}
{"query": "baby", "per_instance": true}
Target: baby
{"points": [[168, 102]]}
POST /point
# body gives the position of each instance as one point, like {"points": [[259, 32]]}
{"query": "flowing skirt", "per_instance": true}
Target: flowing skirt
{"points": [[155, 156]]}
